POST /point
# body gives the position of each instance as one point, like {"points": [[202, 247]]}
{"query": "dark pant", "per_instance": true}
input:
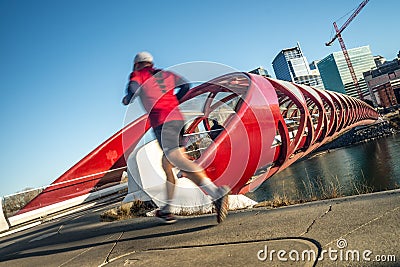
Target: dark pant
{"points": [[169, 135]]}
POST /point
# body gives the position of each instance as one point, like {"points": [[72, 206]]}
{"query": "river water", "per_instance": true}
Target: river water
{"points": [[363, 168]]}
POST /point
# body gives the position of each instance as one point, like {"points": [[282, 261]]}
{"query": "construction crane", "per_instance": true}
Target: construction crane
{"points": [[338, 36]]}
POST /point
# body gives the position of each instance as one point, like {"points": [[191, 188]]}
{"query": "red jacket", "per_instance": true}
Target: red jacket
{"points": [[157, 93]]}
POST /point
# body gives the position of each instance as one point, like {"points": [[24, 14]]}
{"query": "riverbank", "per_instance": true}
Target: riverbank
{"points": [[389, 125], [352, 170]]}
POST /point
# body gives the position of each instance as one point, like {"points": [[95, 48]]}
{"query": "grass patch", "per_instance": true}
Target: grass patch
{"points": [[313, 190], [129, 210]]}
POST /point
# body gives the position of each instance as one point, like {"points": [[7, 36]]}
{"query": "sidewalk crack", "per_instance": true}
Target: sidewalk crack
{"points": [[315, 220], [111, 250], [365, 224]]}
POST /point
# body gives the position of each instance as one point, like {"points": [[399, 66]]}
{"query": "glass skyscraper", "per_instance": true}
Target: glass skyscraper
{"points": [[291, 65], [335, 73]]}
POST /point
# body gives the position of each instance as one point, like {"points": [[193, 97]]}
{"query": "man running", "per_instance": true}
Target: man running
{"points": [[156, 90]]}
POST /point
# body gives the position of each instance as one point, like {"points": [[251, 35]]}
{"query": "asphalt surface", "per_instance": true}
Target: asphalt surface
{"points": [[367, 227]]}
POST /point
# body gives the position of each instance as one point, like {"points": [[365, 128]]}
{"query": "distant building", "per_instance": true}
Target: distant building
{"points": [[291, 65], [384, 83], [313, 65], [260, 71], [379, 60], [335, 73]]}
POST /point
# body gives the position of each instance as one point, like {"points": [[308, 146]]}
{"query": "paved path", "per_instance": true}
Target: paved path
{"points": [[368, 226]]}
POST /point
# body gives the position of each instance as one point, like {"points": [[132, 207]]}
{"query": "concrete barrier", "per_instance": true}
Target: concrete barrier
{"points": [[3, 221], [146, 181], [63, 205]]}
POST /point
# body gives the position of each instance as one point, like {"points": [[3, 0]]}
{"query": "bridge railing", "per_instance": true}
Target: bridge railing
{"points": [[10, 205]]}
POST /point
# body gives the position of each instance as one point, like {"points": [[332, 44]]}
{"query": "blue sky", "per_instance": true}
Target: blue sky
{"points": [[64, 64]]}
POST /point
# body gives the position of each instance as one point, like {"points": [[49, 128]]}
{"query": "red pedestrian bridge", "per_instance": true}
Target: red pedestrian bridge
{"points": [[264, 125]]}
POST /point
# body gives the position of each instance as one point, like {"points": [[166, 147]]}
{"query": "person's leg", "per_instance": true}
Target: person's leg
{"points": [[193, 171], [165, 212], [170, 183], [168, 138]]}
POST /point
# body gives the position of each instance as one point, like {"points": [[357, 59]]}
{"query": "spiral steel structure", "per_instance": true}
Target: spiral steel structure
{"points": [[267, 125]]}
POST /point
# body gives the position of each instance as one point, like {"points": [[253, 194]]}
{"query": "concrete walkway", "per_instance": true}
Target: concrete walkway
{"points": [[367, 227]]}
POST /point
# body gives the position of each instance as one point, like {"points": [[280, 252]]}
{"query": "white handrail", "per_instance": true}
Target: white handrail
{"points": [[64, 182], [42, 212]]}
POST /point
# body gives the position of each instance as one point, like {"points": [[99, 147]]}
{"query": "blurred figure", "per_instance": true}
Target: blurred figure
{"points": [[156, 90], [216, 129]]}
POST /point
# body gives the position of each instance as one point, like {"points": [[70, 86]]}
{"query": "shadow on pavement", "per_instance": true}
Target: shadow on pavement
{"points": [[80, 237]]}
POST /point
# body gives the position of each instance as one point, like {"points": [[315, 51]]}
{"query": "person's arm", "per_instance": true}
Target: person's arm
{"points": [[131, 90], [183, 88]]}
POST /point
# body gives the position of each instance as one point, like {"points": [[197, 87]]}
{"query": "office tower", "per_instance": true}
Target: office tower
{"points": [[291, 65], [384, 83], [335, 73], [260, 71]]}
